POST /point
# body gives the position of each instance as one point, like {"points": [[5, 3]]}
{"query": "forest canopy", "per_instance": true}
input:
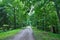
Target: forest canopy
{"points": [[42, 14]]}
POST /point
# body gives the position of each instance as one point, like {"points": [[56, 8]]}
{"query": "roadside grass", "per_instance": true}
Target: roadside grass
{"points": [[4, 35], [43, 35]]}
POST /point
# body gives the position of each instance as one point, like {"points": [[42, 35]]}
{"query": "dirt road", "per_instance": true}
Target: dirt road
{"points": [[25, 34]]}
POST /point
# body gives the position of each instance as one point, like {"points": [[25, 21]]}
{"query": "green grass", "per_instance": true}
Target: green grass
{"points": [[43, 35], [4, 35]]}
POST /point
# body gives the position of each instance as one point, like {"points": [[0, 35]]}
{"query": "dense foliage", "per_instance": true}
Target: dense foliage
{"points": [[42, 14]]}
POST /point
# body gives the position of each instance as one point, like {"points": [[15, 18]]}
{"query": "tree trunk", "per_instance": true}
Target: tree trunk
{"points": [[14, 19], [57, 10]]}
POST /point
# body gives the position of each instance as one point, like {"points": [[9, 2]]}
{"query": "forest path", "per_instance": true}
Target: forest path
{"points": [[26, 34]]}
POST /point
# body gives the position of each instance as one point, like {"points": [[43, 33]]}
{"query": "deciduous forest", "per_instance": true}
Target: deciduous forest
{"points": [[43, 16]]}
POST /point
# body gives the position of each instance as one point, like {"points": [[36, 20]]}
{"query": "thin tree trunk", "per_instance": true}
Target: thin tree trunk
{"points": [[57, 10], [14, 19]]}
